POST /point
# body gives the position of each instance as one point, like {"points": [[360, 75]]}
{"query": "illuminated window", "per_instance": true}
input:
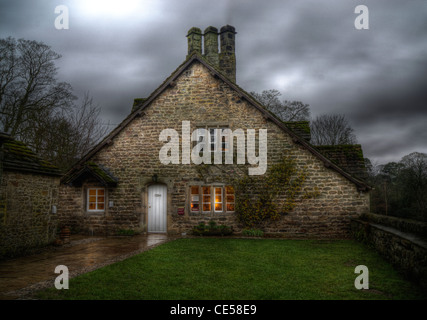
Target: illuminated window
{"points": [[218, 199], [96, 199], [195, 203], [208, 199], [229, 198]]}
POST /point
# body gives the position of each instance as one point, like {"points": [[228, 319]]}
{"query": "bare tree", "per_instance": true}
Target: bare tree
{"points": [[29, 90], [65, 137], [286, 110], [332, 129], [41, 111], [413, 180]]}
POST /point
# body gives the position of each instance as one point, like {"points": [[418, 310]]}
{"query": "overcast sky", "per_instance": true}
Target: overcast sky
{"points": [[309, 50]]}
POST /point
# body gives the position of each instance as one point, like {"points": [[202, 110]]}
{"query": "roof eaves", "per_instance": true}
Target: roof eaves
{"points": [[97, 171]]}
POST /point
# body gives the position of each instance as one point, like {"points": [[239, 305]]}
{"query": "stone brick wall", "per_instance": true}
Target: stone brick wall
{"points": [[204, 100], [26, 218], [406, 251]]}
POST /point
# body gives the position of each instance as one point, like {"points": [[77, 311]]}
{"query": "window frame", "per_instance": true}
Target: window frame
{"points": [[96, 201], [226, 202], [212, 198], [214, 139], [203, 199]]}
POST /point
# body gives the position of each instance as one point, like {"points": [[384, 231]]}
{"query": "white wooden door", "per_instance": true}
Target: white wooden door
{"points": [[157, 208]]}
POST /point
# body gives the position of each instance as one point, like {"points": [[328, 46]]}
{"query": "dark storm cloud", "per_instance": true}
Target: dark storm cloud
{"points": [[309, 50]]}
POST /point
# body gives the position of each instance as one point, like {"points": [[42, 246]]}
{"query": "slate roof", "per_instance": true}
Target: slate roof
{"points": [[16, 156], [296, 135], [301, 128], [91, 169], [348, 157]]}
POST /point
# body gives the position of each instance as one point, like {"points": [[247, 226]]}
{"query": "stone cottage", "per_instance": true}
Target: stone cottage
{"points": [[28, 198], [149, 173]]}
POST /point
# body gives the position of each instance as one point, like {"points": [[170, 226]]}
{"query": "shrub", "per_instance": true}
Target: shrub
{"points": [[253, 233], [212, 229]]}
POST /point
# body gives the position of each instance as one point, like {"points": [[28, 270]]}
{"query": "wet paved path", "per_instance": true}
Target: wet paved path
{"points": [[19, 277]]}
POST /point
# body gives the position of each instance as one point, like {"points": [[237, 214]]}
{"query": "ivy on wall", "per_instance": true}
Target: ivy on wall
{"points": [[260, 199]]}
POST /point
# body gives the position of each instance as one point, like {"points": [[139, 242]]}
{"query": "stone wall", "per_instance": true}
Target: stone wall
{"points": [[26, 218], [406, 251], [204, 100]]}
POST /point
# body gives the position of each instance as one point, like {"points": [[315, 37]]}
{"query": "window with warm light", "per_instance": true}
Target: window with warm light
{"points": [[211, 199], [95, 199], [195, 200]]}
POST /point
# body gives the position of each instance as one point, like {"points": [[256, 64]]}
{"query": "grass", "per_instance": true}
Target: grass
{"points": [[249, 269]]}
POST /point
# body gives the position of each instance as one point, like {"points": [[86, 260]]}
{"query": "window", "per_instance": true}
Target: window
{"points": [[229, 198], [195, 204], [206, 199], [215, 137], [218, 199], [211, 199], [96, 199]]}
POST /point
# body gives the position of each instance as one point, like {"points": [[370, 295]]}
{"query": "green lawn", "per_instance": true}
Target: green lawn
{"points": [[236, 269]]}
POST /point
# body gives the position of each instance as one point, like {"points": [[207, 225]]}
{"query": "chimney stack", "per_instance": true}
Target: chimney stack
{"points": [[211, 45], [227, 57], [194, 37], [225, 60]]}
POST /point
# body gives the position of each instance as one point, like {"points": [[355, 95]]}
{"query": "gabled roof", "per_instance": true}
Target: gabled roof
{"points": [[16, 156], [91, 169], [138, 110], [348, 156]]}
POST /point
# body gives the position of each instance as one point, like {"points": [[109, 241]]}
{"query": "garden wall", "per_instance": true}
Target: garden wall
{"points": [[406, 249], [26, 218]]}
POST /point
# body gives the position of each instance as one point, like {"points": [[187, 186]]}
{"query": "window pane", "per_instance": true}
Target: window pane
{"points": [[100, 206], [100, 192], [213, 139], [218, 199], [206, 198], [230, 198], [206, 190], [101, 199], [218, 206], [92, 206], [194, 207], [92, 192], [206, 207], [194, 190], [230, 206], [218, 191], [92, 199]]}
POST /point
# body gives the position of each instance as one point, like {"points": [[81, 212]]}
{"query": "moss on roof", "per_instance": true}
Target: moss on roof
{"points": [[349, 157], [301, 128], [137, 102], [102, 173], [91, 169], [19, 157]]}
